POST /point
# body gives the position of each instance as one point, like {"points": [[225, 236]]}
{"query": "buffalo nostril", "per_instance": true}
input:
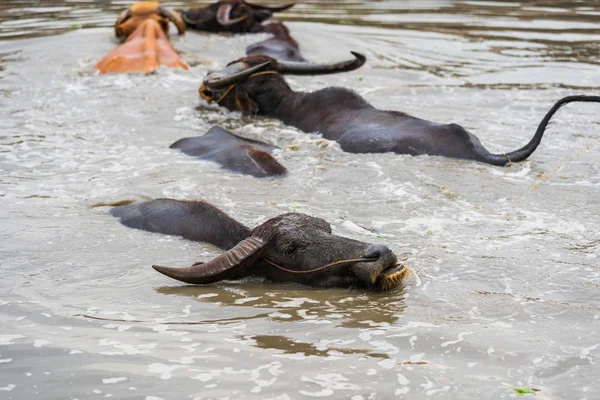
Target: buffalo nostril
{"points": [[376, 251]]}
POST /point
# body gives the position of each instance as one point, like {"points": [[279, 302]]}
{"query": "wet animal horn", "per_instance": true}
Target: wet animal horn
{"points": [[120, 19], [231, 79], [224, 16], [305, 68], [225, 266], [272, 8], [173, 17], [186, 15]]}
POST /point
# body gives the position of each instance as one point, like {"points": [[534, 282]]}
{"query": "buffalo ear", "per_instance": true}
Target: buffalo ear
{"points": [[245, 104], [227, 265], [193, 16], [124, 16]]}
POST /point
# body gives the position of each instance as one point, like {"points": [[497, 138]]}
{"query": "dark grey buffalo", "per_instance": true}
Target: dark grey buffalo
{"points": [[232, 152], [288, 248], [255, 86], [234, 16], [280, 45]]}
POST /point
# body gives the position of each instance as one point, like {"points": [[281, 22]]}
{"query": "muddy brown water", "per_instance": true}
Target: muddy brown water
{"points": [[508, 257]]}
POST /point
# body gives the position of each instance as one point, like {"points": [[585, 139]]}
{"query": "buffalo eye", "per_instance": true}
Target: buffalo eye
{"points": [[289, 249]]}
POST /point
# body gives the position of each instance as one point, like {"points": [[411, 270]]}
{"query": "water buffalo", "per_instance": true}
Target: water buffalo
{"points": [[234, 153], [255, 85], [144, 27], [238, 74], [288, 248], [236, 16], [281, 46]]}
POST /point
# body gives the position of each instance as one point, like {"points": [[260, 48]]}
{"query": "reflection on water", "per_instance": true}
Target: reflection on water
{"points": [[288, 346], [508, 257], [350, 310]]}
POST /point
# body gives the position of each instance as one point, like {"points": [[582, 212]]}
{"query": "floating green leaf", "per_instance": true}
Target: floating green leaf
{"points": [[430, 233], [75, 26], [525, 390], [360, 78]]}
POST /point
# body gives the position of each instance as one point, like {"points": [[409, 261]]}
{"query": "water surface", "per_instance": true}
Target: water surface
{"points": [[508, 257]]}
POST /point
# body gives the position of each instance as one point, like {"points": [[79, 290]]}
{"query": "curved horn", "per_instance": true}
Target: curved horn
{"points": [[238, 75], [123, 16], [304, 68], [224, 16], [186, 16], [173, 17], [225, 266], [120, 19], [272, 8]]}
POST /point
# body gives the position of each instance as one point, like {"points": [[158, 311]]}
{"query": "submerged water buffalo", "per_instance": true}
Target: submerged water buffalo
{"points": [[236, 16], [144, 26], [255, 85], [234, 153], [228, 87], [280, 46], [288, 248]]}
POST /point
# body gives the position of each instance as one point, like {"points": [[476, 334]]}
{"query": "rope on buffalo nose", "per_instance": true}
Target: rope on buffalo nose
{"points": [[508, 159], [210, 99], [333, 264]]}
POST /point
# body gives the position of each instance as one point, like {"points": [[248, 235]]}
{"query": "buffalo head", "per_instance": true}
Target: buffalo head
{"points": [[288, 248], [235, 16], [245, 84], [299, 248], [144, 26], [129, 20]]}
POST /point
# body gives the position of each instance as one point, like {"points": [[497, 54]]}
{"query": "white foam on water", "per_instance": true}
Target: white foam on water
{"points": [[246, 300], [206, 295], [585, 353], [166, 330], [331, 382], [164, 371], [294, 302], [113, 380], [402, 380], [461, 337], [384, 347], [118, 327], [387, 364], [320, 393], [278, 314], [352, 227], [8, 339], [124, 348], [206, 376], [317, 322], [432, 392]]}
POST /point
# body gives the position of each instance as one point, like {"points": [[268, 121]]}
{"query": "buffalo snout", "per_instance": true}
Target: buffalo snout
{"points": [[381, 269], [378, 251]]}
